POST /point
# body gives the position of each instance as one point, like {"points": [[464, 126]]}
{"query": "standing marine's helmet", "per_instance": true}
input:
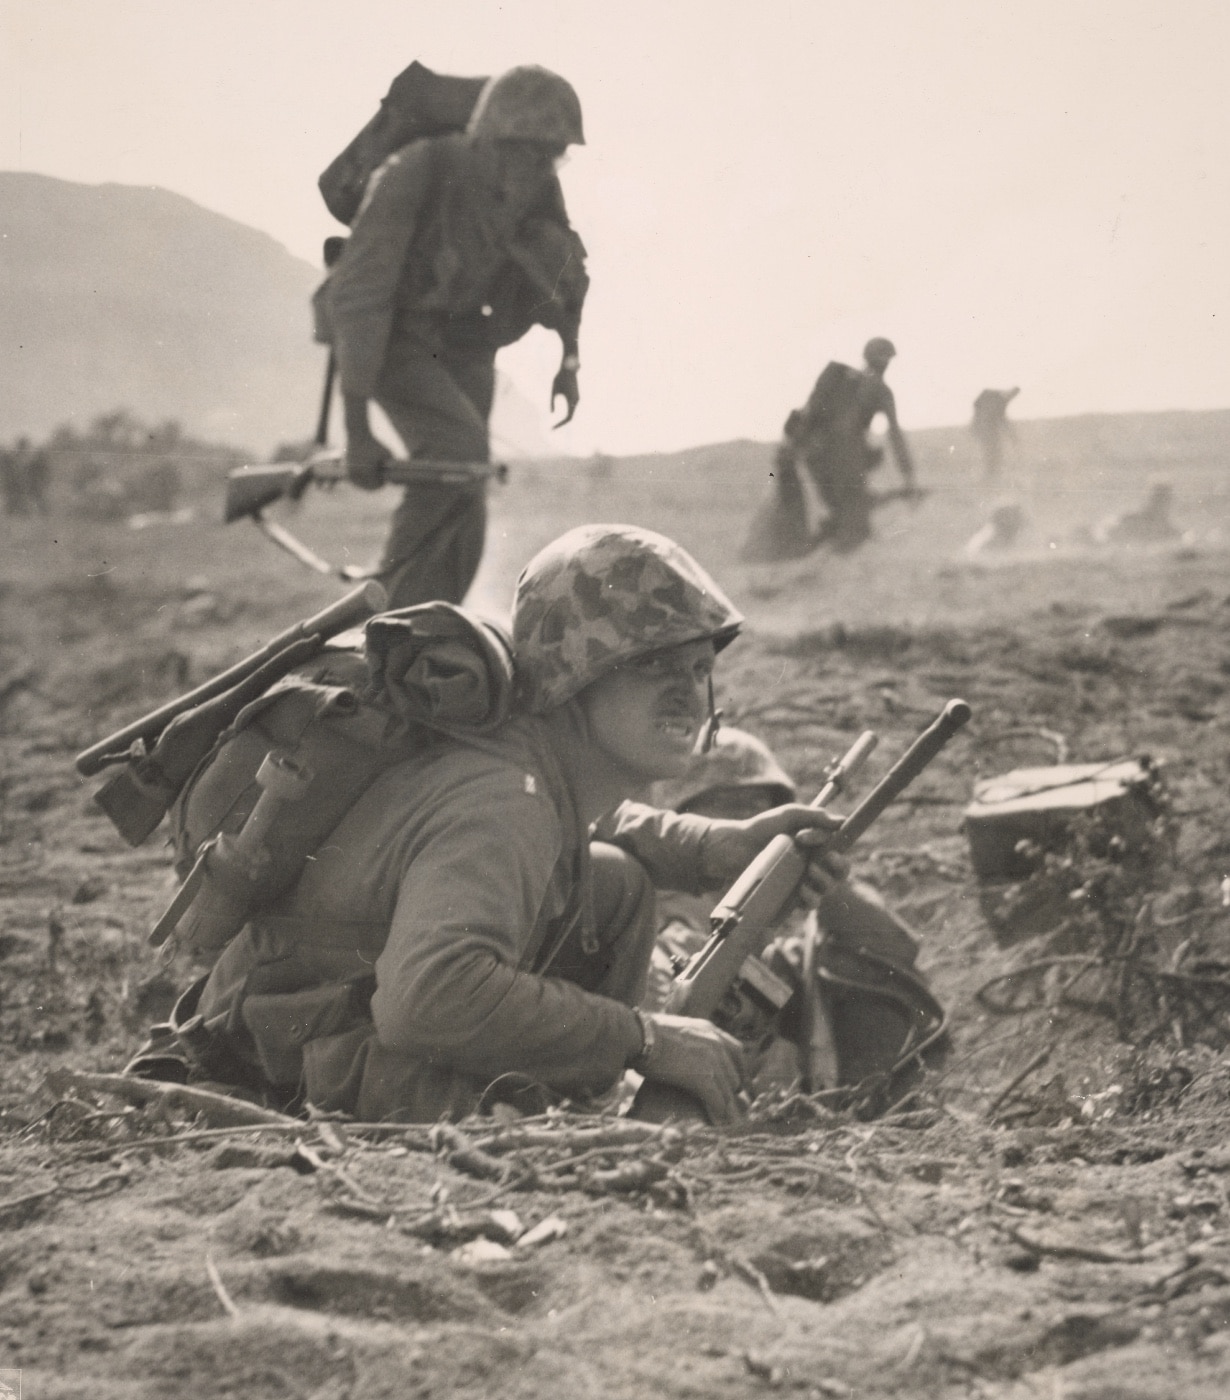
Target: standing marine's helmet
{"points": [[736, 760], [879, 348], [602, 595], [529, 104]]}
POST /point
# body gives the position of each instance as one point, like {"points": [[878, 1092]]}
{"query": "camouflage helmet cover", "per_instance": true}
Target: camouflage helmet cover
{"points": [[736, 760], [529, 104], [879, 348], [601, 595]]}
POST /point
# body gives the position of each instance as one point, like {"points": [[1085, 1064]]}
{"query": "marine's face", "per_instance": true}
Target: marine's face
{"points": [[523, 167], [648, 713]]}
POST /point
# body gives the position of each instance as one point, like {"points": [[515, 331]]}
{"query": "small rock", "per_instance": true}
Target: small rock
{"points": [[709, 1275], [764, 1369], [91, 888], [552, 1228], [480, 1251], [508, 1223], [1021, 1261]]}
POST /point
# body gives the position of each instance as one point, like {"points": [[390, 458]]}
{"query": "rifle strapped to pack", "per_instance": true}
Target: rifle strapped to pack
{"points": [[285, 766]]}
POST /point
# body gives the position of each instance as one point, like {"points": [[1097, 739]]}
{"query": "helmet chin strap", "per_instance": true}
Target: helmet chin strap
{"points": [[713, 724]]}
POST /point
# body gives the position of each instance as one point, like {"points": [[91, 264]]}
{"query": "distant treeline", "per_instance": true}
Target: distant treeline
{"points": [[117, 466]]}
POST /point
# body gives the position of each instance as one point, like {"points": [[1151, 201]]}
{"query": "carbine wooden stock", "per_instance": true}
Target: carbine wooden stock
{"points": [[358, 604]]}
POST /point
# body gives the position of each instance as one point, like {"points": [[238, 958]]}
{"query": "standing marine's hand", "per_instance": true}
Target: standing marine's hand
{"points": [[366, 459], [565, 386]]}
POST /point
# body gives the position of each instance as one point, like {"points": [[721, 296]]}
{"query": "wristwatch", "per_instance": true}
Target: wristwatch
{"points": [[640, 1061], [571, 363]]}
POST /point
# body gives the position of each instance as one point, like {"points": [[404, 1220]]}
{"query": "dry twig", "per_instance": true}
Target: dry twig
{"points": [[1017, 1080], [215, 1279], [217, 1109]]}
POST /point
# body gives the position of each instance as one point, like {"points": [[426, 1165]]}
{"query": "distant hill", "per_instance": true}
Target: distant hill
{"points": [[120, 296], [128, 297]]}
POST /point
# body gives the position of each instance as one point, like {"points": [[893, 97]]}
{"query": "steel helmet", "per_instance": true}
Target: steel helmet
{"points": [[601, 595], [529, 104], [879, 348], [736, 760]]}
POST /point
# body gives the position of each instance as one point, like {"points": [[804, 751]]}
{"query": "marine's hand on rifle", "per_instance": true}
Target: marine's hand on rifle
{"points": [[564, 386], [692, 1054], [366, 459], [729, 847]]}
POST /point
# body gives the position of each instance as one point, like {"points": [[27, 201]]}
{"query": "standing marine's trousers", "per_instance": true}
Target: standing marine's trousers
{"points": [[439, 402]]}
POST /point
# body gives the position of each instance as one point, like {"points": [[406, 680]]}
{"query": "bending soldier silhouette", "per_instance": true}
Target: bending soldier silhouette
{"points": [[827, 438]]}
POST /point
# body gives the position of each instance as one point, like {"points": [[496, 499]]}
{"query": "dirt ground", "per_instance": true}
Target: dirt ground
{"points": [[1045, 1216]]}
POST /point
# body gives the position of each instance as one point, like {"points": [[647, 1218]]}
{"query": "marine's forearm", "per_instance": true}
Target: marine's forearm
{"points": [[901, 453], [476, 1014]]}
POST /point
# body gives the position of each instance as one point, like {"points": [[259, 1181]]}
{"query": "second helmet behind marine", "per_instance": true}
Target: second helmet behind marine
{"points": [[736, 760], [602, 595], [529, 104]]}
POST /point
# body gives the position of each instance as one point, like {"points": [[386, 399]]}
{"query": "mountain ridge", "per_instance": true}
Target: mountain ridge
{"points": [[136, 297]]}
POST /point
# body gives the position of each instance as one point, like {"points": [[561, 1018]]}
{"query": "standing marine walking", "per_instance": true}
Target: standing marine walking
{"points": [[462, 243]]}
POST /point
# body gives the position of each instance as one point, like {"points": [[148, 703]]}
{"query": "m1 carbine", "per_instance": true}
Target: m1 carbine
{"points": [[726, 981], [249, 490]]}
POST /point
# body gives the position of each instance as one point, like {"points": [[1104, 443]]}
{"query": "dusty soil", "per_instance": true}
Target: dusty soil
{"points": [[1067, 1235]]}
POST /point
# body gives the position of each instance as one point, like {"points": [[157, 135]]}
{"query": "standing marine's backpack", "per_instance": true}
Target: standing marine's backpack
{"points": [[832, 401], [418, 103]]}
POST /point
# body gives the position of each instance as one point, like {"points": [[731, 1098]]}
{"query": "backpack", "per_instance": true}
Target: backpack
{"points": [[309, 746], [418, 103], [833, 397]]}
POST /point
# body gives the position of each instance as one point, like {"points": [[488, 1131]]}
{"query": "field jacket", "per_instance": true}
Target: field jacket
{"points": [[450, 883]]}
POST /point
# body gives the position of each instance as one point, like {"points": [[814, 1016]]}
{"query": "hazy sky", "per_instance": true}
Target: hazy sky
{"points": [[1029, 193]]}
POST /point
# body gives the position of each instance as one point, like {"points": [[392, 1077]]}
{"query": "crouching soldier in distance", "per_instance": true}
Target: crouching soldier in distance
{"points": [[1150, 524], [459, 927]]}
